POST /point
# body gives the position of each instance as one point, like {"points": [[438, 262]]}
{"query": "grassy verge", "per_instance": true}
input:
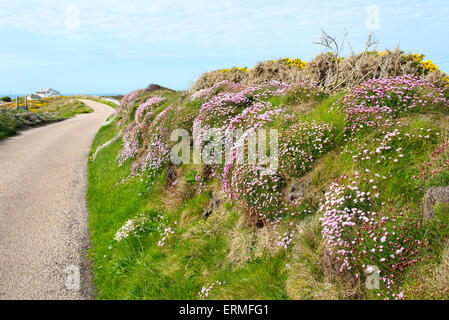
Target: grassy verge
{"points": [[39, 113], [65, 108], [194, 255], [13, 120], [109, 103]]}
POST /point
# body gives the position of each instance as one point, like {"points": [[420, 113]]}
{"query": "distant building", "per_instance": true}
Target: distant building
{"points": [[44, 93]]}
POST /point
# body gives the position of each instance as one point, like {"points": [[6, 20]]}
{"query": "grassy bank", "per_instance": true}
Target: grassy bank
{"points": [[139, 268], [109, 103], [173, 232], [39, 113], [12, 121], [64, 108]]}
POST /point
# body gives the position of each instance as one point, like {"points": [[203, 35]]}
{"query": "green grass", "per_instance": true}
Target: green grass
{"points": [[12, 120], [65, 108], [223, 247], [109, 103], [194, 255]]}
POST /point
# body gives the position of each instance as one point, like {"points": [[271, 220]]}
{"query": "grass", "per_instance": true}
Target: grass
{"points": [[106, 102], [194, 255], [65, 108], [12, 120], [40, 112], [225, 247]]}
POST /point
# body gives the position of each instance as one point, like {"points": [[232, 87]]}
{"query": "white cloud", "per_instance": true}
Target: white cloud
{"points": [[231, 24], [196, 21]]}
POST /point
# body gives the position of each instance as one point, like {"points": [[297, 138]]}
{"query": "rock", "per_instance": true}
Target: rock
{"points": [[295, 192], [170, 175], [330, 264], [331, 269], [206, 171], [213, 204], [432, 196]]}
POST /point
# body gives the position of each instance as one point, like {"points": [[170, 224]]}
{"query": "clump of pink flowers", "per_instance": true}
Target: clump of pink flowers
{"points": [[132, 135], [148, 132], [377, 100], [207, 93], [168, 231], [205, 290], [147, 106], [133, 226], [157, 151], [301, 144], [357, 235]]}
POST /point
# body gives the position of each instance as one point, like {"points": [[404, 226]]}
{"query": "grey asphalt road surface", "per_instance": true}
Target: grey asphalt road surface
{"points": [[43, 216]]}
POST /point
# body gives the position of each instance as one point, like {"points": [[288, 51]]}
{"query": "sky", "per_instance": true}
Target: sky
{"points": [[116, 46]]}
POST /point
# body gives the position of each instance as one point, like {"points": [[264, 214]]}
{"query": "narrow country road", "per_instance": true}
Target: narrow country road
{"points": [[43, 216]]}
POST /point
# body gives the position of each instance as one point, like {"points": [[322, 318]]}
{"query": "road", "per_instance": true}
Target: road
{"points": [[43, 216]]}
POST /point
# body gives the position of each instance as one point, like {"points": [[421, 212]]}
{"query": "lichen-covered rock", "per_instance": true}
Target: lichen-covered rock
{"points": [[170, 175], [295, 192], [432, 196], [206, 171], [331, 269], [214, 202]]}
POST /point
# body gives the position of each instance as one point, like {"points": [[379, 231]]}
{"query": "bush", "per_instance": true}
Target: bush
{"points": [[6, 99], [330, 72]]}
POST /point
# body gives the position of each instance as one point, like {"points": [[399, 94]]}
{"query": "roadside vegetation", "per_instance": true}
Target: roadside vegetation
{"points": [[112, 102], [355, 167], [39, 112], [12, 121], [63, 108]]}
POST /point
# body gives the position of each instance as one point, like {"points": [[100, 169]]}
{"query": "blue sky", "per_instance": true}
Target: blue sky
{"points": [[117, 46]]}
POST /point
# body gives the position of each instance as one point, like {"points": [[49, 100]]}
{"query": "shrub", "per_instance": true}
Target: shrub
{"points": [[330, 72], [208, 79]]}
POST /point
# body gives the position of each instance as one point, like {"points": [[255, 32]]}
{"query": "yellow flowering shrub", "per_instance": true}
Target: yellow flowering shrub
{"points": [[244, 69], [427, 66], [297, 63]]}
